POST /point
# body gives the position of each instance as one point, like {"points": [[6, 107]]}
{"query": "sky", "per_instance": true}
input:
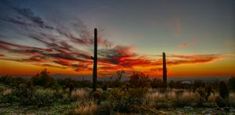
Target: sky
{"points": [[198, 37]]}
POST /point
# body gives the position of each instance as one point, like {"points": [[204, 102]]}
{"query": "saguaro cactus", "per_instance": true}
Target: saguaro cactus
{"points": [[164, 71], [95, 60]]}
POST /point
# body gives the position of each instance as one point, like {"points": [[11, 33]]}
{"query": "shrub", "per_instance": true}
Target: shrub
{"points": [[127, 101], [43, 97], [68, 84], [220, 101], [139, 80], [87, 108], [43, 79], [182, 98], [26, 95], [12, 81], [104, 109], [80, 94], [157, 83]]}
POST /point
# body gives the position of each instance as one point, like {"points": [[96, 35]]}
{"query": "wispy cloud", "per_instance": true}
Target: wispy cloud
{"points": [[71, 47], [116, 58], [191, 59], [50, 65]]}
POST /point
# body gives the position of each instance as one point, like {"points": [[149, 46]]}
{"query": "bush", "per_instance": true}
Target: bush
{"points": [[157, 83], [80, 94], [220, 101], [104, 109], [12, 81], [43, 79], [27, 95], [139, 80], [43, 97], [88, 108], [127, 101]]}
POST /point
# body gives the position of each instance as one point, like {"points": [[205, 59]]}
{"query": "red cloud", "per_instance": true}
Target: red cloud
{"points": [[188, 59], [60, 53], [110, 60], [171, 60]]}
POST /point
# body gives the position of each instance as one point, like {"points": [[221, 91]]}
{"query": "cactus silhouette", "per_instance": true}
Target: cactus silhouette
{"points": [[95, 61], [164, 72]]}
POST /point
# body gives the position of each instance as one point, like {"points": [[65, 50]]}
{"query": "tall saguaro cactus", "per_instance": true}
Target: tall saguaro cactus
{"points": [[164, 72], [95, 60]]}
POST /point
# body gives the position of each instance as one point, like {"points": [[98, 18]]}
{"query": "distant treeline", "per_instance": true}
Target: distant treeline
{"points": [[135, 80]]}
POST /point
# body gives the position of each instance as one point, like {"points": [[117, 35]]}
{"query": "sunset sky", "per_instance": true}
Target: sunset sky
{"points": [[198, 37]]}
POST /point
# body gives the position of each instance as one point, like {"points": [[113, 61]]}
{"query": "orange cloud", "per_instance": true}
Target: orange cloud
{"points": [[110, 59], [190, 59]]}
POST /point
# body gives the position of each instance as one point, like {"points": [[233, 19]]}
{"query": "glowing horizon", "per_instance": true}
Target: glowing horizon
{"points": [[34, 37]]}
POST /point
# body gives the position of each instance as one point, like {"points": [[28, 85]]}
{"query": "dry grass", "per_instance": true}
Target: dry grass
{"points": [[177, 98], [232, 99], [88, 108], [81, 94], [170, 95], [7, 91]]}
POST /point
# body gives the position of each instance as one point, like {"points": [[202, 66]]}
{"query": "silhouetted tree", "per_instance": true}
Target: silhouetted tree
{"points": [[43, 79]]}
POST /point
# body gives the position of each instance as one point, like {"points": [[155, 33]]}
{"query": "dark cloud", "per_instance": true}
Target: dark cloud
{"points": [[14, 20], [40, 55], [133, 60], [28, 13], [85, 37], [16, 48], [22, 16], [50, 43], [116, 54], [37, 58]]}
